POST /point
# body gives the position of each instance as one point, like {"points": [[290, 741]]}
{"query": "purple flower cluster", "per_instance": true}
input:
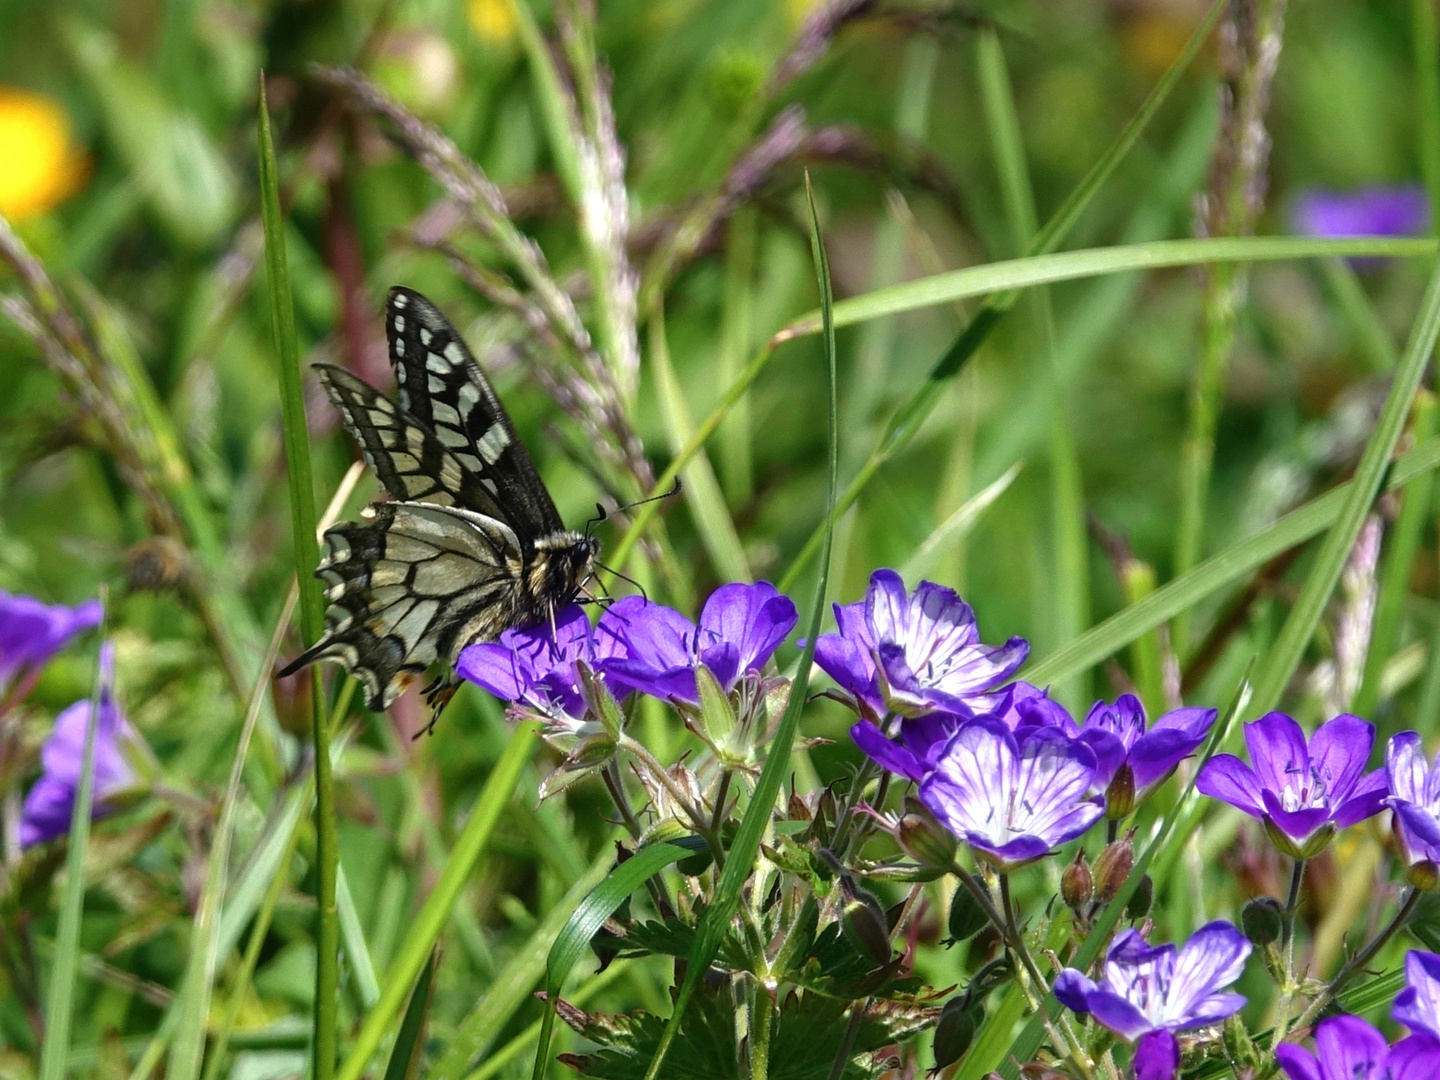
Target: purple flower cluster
{"points": [[1147, 993], [636, 646], [32, 632]]}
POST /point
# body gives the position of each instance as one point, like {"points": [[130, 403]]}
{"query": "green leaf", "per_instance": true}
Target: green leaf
{"points": [[429, 922], [1283, 657], [740, 860], [1118, 631], [585, 921], [59, 1001], [409, 1045]]}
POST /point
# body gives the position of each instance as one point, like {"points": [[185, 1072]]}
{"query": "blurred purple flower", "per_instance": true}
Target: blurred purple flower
{"points": [[1303, 793], [1132, 762], [1415, 799], [922, 738], [1418, 1005], [32, 632], [1149, 992], [1348, 1048], [50, 802], [1371, 211], [914, 654], [535, 669], [1013, 798], [657, 649]]}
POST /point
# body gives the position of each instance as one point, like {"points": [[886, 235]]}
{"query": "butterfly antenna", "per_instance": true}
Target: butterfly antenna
{"points": [[622, 577], [601, 514]]}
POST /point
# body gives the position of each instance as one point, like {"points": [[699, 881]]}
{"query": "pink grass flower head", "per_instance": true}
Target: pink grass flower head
{"points": [[914, 653], [32, 632], [1012, 797], [1348, 1048], [1147, 993], [658, 649], [1415, 799], [1303, 792], [51, 800]]}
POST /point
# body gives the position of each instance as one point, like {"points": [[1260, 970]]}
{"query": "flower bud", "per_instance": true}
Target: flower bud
{"points": [[1239, 1048], [1261, 919], [955, 1030], [1424, 875], [1120, 795], [1113, 867], [1077, 886], [1141, 899], [967, 917], [865, 926], [926, 841]]}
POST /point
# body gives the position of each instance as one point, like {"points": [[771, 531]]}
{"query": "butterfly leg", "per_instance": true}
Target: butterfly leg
{"points": [[437, 696]]}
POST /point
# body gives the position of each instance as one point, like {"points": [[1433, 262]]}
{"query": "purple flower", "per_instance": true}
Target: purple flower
{"points": [[1418, 1005], [1013, 798], [1149, 992], [32, 632], [1130, 761], [914, 654], [922, 738], [1303, 793], [1347, 1048], [1372, 211], [50, 802], [537, 670], [1415, 798], [657, 648]]}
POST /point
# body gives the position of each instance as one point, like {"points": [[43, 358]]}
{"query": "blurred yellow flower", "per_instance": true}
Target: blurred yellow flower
{"points": [[797, 11], [40, 168], [492, 20]]}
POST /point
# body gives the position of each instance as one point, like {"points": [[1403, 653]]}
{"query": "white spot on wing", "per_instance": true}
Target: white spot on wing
{"points": [[493, 443], [400, 300], [468, 396], [425, 336], [399, 324]]}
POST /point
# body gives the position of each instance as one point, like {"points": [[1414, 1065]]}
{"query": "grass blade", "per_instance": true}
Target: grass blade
{"points": [[430, 921], [312, 606], [1216, 572], [410, 1042], [740, 860], [59, 1001], [585, 922], [1284, 655]]}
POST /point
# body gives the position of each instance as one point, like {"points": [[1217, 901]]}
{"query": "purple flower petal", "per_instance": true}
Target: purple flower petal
{"points": [[1157, 752], [1297, 824], [1349, 1047], [1367, 798], [32, 632], [1227, 778], [1157, 1056], [1415, 1058], [1417, 826], [1277, 750], [1211, 960], [1072, 989], [1299, 1064], [889, 755], [1371, 211], [1406, 767], [1338, 752], [752, 619], [1118, 1014], [1418, 1005]]}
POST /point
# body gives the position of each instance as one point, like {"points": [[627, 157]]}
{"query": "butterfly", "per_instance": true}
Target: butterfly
{"points": [[469, 544]]}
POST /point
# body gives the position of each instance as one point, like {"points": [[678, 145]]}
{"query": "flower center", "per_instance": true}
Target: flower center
{"points": [[1306, 786]]}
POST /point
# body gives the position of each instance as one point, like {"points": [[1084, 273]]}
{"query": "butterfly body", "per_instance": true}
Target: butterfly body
{"points": [[470, 543]]}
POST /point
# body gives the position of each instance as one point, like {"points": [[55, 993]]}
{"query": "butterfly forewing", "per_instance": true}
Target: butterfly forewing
{"points": [[443, 387]]}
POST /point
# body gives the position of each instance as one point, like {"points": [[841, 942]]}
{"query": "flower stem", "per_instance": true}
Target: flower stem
{"points": [[1287, 943], [1357, 962], [761, 1016]]}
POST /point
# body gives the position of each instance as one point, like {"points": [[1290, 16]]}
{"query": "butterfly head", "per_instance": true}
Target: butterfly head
{"points": [[563, 562]]}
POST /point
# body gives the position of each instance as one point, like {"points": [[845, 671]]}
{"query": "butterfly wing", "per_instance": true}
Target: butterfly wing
{"points": [[406, 587], [443, 387], [412, 464]]}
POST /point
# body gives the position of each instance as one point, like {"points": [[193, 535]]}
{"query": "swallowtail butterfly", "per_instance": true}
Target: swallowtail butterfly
{"points": [[470, 542]]}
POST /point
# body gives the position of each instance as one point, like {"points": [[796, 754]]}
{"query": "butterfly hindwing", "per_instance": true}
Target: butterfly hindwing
{"points": [[443, 387], [406, 587]]}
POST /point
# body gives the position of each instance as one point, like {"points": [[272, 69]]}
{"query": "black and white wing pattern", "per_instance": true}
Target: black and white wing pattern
{"points": [[443, 388], [406, 587], [472, 544]]}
